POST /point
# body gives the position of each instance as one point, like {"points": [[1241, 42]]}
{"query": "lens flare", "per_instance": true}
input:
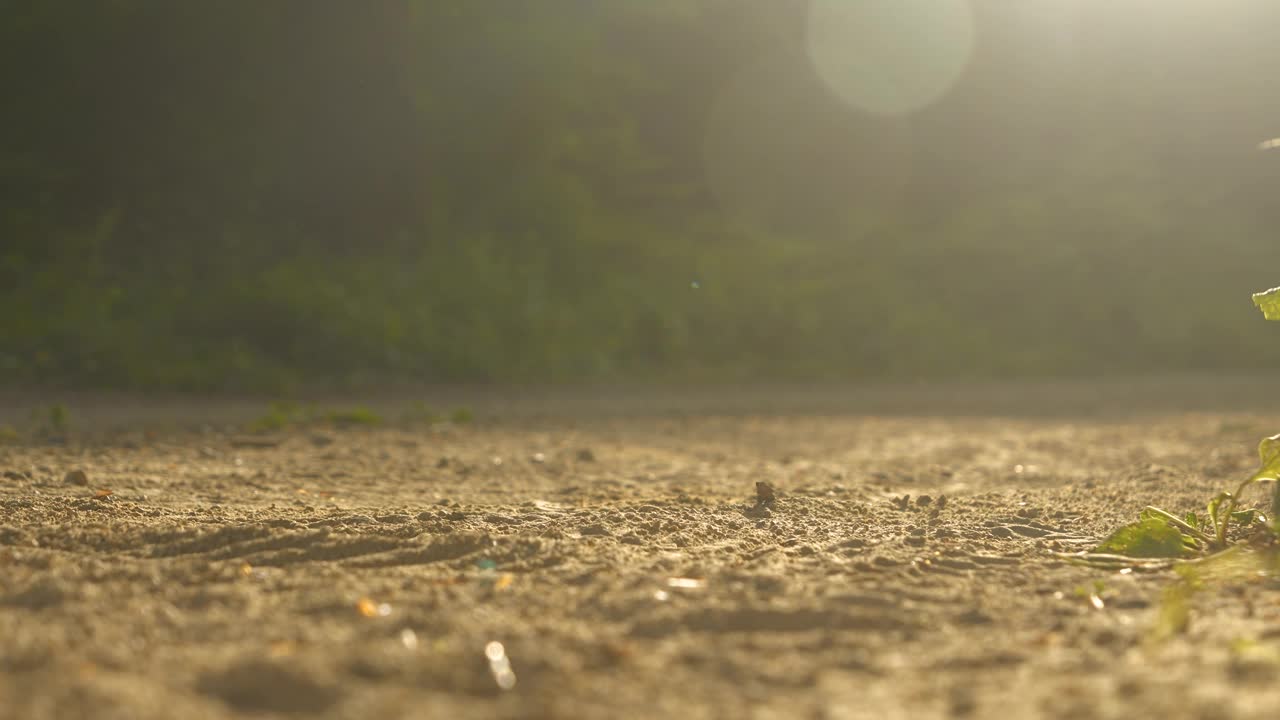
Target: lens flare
{"points": [[890, 57]]}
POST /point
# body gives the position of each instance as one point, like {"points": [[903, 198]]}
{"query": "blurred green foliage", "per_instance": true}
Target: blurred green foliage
{"points": [[280, 415], [284, 414], [249, 195], [353, 417]]}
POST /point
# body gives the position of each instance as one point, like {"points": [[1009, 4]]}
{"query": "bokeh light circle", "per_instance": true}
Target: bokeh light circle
{"points": [[890, 57]]}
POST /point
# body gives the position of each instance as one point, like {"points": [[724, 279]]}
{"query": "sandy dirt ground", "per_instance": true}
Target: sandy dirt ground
{"points": [[609, 557]]}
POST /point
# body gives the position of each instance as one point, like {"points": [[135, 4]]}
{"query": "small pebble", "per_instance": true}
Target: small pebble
{"points": [[76, 477], [764, 493]]}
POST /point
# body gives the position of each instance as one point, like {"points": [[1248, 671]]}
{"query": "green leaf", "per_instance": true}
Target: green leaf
{"points": [[1269, 303], [1243, 518], [1269, 453], [1148, 538], [1194, 520]]}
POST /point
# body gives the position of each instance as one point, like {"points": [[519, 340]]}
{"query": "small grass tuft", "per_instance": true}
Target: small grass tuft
{"points": [[461, 416]]}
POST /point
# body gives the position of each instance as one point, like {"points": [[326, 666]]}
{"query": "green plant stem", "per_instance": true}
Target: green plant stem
{"points": [[1229, 552], [1182, 525], [1113, 561], [1231, 508]]}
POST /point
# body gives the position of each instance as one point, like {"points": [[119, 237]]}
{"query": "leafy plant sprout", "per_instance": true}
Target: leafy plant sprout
{"points": [[1159, 534]]}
